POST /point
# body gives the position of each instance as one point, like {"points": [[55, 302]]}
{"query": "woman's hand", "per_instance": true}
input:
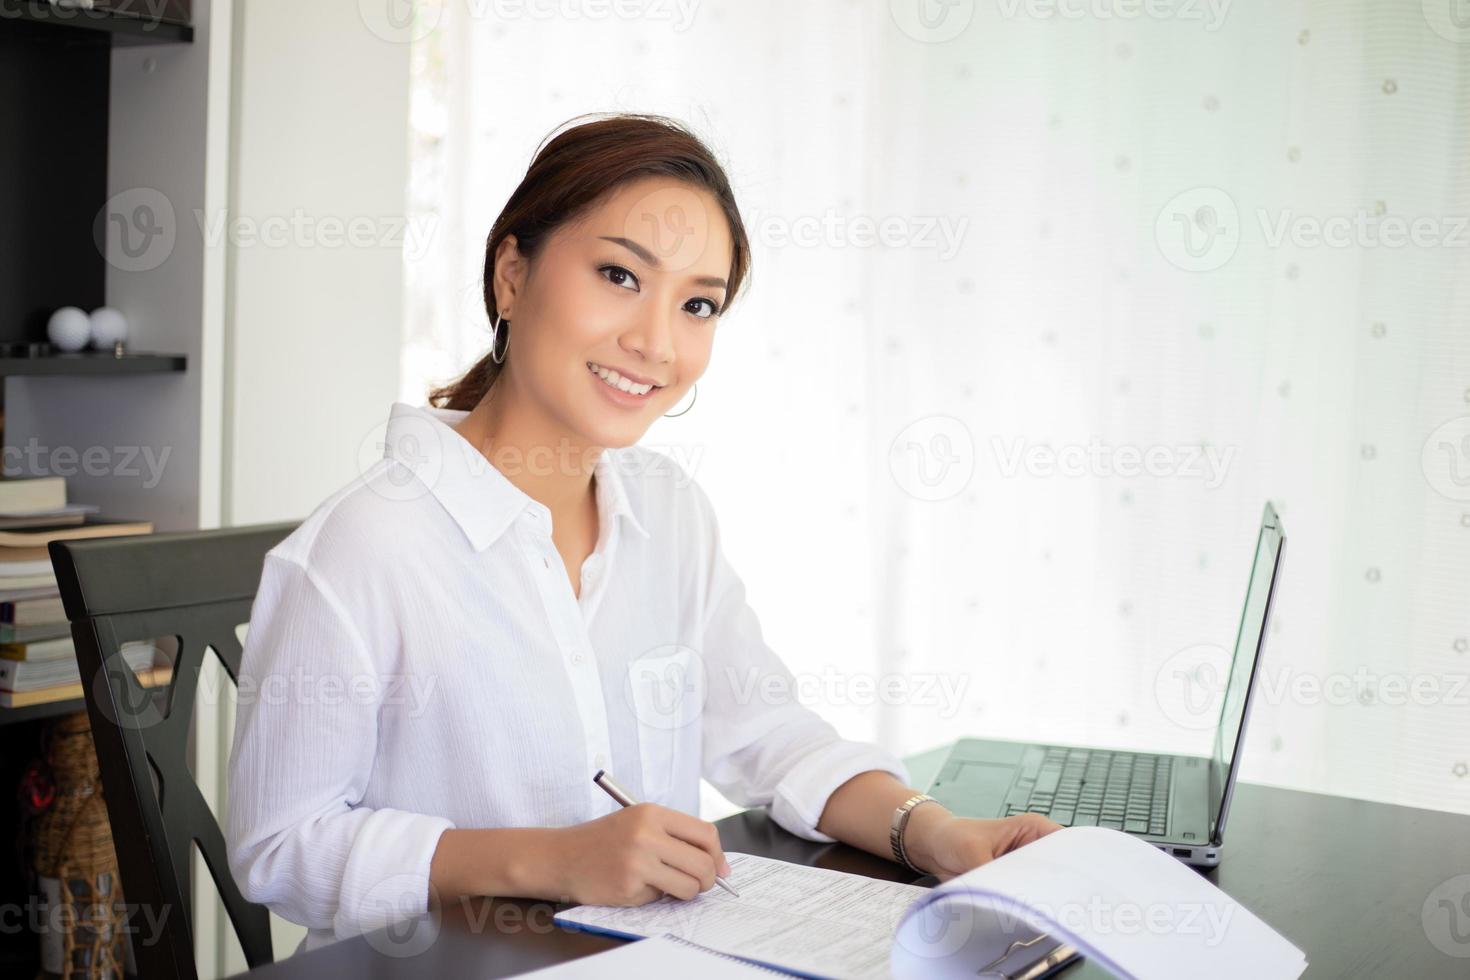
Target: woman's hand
{"points": [[636, 854], [947, 845]]}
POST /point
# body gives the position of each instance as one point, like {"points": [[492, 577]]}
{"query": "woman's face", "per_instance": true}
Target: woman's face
{"points": [[634, 287]]}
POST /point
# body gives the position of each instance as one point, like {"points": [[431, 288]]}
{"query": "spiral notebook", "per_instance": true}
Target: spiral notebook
{"points": [[657, 956]]}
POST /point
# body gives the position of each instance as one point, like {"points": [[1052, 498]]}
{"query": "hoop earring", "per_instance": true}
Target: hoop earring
{"points": [[494, 336], [674, 415]]}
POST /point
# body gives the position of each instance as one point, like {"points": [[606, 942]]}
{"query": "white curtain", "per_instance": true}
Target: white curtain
{"points": [[1048, 299]]}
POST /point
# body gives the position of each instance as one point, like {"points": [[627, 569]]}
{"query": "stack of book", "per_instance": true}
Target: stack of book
{"points": [[37, 659]]}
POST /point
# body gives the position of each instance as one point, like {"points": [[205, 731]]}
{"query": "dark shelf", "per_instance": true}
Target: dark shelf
{"points": [[30, 712], [122, 28], [92, 362]]}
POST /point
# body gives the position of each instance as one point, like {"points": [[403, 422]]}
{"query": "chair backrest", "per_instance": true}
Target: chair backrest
{"points": [[197, 586]]}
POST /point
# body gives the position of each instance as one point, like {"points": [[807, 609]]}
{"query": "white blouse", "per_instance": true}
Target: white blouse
{"points": [[416, 660]]}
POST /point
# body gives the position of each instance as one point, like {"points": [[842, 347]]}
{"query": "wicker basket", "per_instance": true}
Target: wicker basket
{"points": [[83, 929]]}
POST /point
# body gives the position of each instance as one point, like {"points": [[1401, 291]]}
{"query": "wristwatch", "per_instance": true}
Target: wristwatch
{"points": [[896, 828]]}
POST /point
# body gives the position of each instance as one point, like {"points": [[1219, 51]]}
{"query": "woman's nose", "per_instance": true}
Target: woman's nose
{"points": [[652, 337]]}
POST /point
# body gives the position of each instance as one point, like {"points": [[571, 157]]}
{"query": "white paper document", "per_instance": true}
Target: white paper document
{"points": [[819, 922], [1133, 909], [1122, 902]]}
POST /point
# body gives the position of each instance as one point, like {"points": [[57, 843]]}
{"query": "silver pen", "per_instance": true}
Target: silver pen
{"points": [[619, 794]]}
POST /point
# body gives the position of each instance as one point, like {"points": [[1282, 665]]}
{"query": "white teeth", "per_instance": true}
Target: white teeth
{"points": [[617, 381]]}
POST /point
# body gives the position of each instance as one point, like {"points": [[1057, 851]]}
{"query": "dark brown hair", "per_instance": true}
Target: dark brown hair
{"points": [[570, 174]]}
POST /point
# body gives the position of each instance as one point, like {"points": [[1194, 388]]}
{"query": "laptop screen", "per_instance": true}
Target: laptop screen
{"points": [[1229, 734]]}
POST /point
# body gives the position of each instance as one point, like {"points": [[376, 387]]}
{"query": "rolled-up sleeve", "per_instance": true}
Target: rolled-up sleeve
{"points": [[306, 731], [761, 746]]}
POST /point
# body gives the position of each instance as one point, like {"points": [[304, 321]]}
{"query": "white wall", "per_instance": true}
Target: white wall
{"points": [[318, 135], [320, 129]]}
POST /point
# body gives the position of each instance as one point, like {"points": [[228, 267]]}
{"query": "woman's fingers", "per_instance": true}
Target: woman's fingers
{"points": [[699, 833], [1028, 827], [671, 880], [689, 859]]}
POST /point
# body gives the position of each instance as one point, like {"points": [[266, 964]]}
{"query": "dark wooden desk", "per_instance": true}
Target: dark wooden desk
{"points": [[1345, 880]]}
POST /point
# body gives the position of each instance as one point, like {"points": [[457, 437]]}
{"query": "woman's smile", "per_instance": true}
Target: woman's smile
{"points": [[622, 391]]}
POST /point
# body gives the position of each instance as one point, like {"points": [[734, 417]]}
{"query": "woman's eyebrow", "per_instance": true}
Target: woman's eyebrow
{"points": [[650, 259]]}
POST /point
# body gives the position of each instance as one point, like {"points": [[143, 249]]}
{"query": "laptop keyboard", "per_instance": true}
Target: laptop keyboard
{"points": [[1092, 787]]}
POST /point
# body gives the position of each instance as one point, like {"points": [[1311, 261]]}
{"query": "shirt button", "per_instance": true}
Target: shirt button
{"points": [[577, 659], [590, 572], [600, 761]]}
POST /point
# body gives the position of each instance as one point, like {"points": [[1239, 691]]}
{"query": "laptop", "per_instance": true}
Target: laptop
{"points": [[1177, 802]]}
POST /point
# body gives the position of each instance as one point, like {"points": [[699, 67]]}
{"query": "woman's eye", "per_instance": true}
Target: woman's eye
{"points": [[618, 276], [709, 305]]}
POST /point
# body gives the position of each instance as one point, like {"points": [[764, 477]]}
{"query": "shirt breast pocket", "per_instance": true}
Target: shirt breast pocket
{"points": [[665, 689]]}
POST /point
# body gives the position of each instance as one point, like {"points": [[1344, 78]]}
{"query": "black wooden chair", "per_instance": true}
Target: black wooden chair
{"points": [[196, 586]]}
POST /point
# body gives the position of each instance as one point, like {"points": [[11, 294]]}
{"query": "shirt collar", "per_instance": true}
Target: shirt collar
{"points": [[480, 499]]}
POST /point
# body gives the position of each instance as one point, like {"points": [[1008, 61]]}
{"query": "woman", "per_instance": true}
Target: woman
{"points": [[448, 649]]}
